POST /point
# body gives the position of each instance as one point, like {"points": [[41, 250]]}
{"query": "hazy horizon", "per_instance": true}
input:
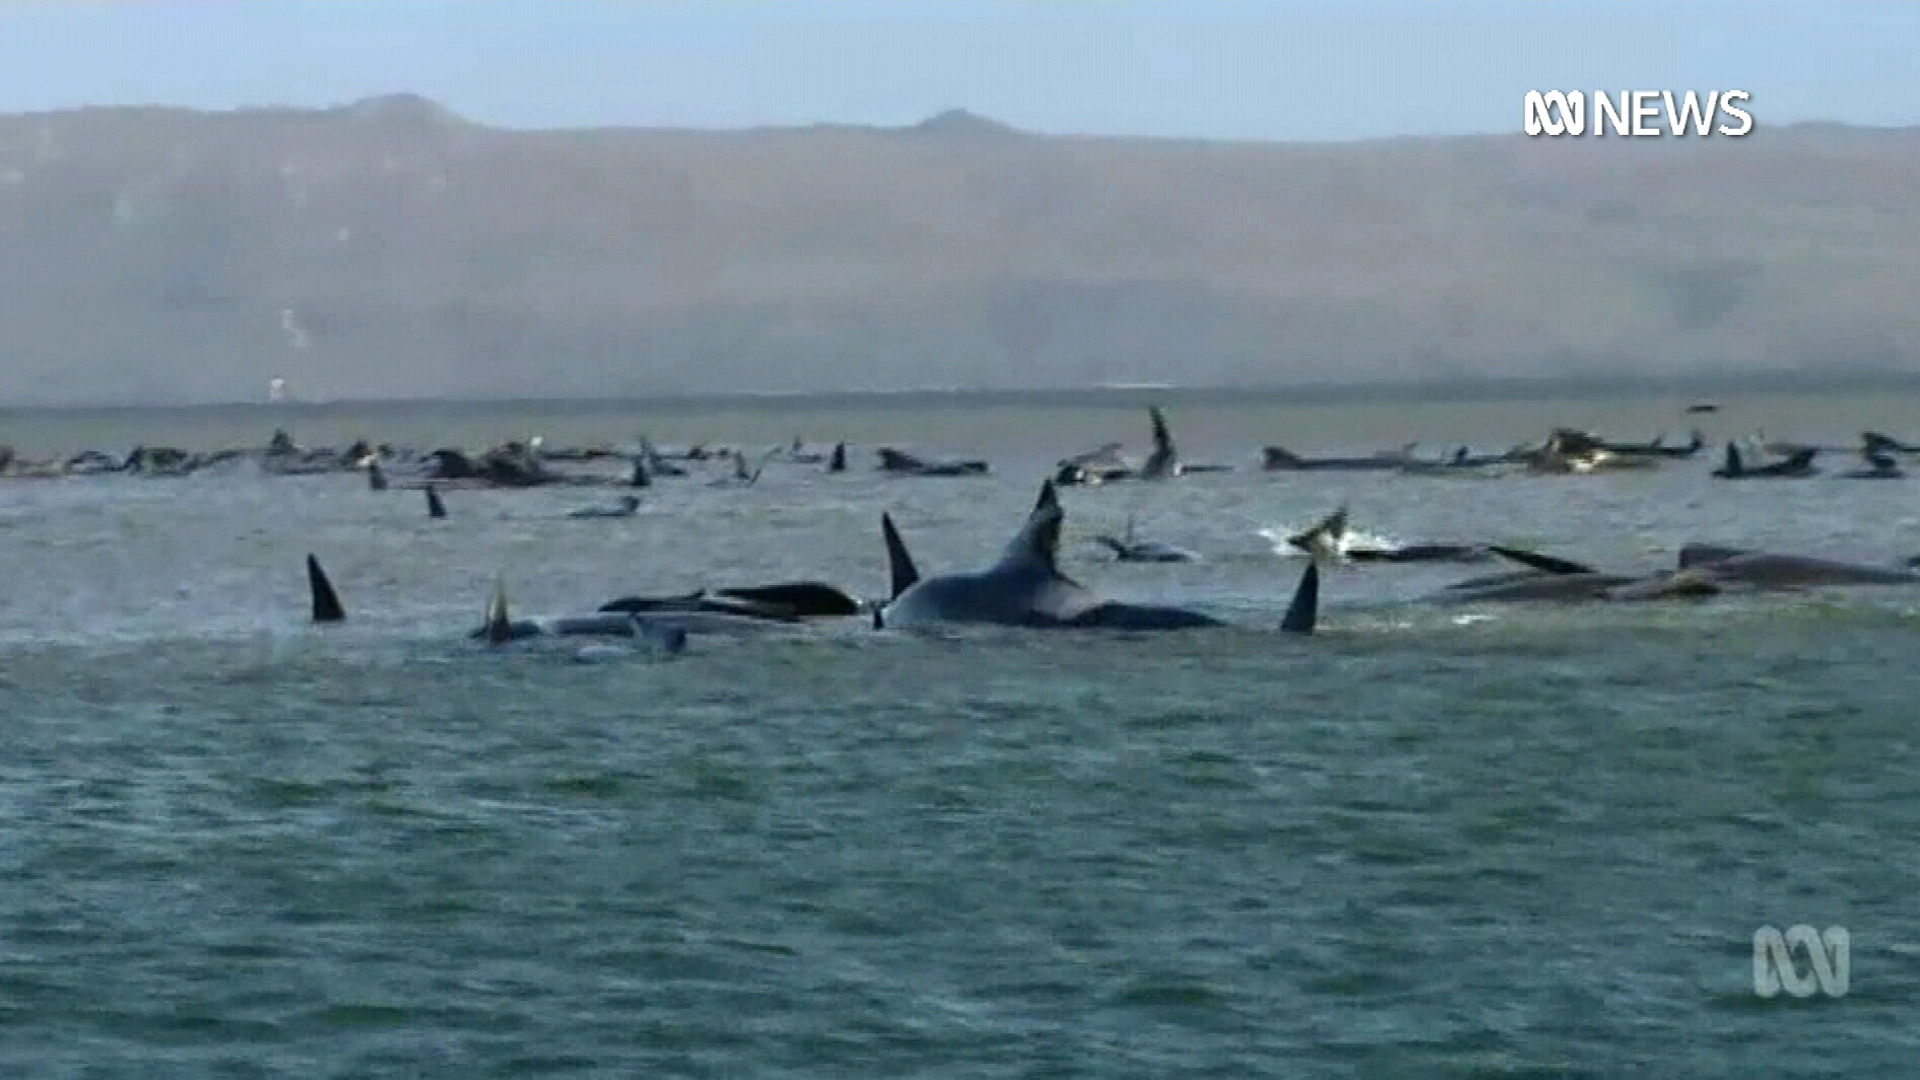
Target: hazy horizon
{"points": [[959, 113], [1205, 69]]}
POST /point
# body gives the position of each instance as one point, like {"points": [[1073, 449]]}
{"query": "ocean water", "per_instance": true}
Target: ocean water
{"points": [[1429, 841]]}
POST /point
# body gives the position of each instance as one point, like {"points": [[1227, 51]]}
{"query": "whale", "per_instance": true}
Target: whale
{"points": [[742, 476], [1126, 548], [1700, 570], [1280, 459], [1327, 538], [326, 602], [1657, 448], [501, 628], [1794, 466], [1096, 466], [1771, 571], [1549, 578], [1880, 466], [625, 506], [1153, 551], [1879, 442], [1164, 462], [899, 461], [786, 601], [803, 598], [1103, 464], [435, 508], [1025, 588]]}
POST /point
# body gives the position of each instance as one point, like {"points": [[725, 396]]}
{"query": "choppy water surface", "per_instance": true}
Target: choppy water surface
{"points": [[1425, 843]]}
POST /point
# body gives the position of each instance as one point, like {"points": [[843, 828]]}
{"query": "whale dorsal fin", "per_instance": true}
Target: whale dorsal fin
{"points": [[901, 573], [1538, 561], [1162, 438], [1733, 466], [1304, 611], [1037, 544], [499, 619], [1049, 498], [326, 602], [435, 508]]}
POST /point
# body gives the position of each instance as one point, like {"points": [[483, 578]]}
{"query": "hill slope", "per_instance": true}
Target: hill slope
{"points": [[389, 248]]}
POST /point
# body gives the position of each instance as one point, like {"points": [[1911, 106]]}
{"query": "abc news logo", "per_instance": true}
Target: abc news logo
{"points": [[1636, 113], [1829, 961]]}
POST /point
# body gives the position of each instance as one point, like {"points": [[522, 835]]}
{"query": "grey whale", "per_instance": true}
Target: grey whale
{"points": [[1026, 588]]}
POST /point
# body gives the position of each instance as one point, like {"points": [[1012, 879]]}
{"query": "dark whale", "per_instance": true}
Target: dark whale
{"points": [[1794, 466], [1026, 588], [786, 601]]}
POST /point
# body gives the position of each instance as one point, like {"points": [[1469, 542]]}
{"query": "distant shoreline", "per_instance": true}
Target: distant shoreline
{"points": [[1454, 391]]}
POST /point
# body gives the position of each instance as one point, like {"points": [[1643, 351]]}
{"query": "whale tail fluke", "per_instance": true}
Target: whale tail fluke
{"points": [[1304, 611], [1325, 538], [326, 602]]}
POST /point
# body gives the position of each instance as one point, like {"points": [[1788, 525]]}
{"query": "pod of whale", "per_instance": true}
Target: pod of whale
{"points": [[1104, 464], [1024, 586]]}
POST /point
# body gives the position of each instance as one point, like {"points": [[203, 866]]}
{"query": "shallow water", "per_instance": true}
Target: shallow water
{"points": [[1428, 842]]}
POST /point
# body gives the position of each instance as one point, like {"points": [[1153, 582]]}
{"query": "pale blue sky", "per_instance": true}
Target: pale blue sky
{"points": [[1209, 68]]}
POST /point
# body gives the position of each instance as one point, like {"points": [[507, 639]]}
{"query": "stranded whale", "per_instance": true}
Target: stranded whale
{"points": [[1026, 588]]}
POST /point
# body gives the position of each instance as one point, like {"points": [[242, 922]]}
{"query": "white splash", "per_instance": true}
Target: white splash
{"points": [[290, 325], [1350, 540]]}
